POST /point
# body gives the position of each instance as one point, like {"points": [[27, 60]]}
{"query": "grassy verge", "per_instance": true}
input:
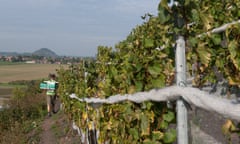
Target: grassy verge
{"points": [[9, 85], [62, 130], [61, 126], [19, 122], [7, 90], [10, 63]]}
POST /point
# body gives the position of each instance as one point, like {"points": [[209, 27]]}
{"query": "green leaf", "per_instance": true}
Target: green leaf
{"points": [[193, 41], [216, 38], [220, 63], [163, 15], [144, 125], [186, 2], [157, 135], [154, 70], [164, 4], [169, 116], [148, 43], [134, 132], [164, 125], [158, 82], [138, 67], [139, 86], [149, 105], [232, 48], [113, 71], [234, 53], [78, 105], [170, 136], [195, 15], [147, 141], [207, 20], [128, 109]]}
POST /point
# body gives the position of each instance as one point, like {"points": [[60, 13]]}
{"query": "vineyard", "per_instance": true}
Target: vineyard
{"points": [[146, 61]]}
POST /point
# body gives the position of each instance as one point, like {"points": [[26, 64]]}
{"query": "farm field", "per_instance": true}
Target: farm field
{"points": [[5, 91], [5, 94], [16, 72]]}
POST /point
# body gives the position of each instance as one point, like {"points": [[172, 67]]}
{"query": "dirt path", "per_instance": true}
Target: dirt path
{"points": [[57, 130], [47, 136]]}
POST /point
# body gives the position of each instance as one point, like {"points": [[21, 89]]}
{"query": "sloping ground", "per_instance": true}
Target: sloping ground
{"points": [[47, 135], [57, 130]]}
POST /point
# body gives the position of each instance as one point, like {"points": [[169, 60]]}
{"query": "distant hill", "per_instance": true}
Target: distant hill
{"points": [[41, 52], [8, 54], [45, 52]]}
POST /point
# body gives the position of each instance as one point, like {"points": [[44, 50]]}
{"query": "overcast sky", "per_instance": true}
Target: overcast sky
{"points": [[69, 27]]}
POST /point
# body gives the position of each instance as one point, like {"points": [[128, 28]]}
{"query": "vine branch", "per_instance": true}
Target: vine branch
{"points": [[220, 29]]}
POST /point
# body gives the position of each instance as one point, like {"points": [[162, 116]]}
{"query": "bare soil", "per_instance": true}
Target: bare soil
{"points": [[57, 130], [16, 72], [47, 137]]}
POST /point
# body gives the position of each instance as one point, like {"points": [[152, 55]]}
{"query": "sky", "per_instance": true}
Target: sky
{"points": [[69, 27]]}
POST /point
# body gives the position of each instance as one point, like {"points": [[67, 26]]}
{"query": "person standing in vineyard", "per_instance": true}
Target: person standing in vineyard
{"points": [[51, 93]]}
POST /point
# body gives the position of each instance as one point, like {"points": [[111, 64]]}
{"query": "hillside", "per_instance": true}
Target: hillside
{"points": [[45, 52], [41, 52], [8, 54]]}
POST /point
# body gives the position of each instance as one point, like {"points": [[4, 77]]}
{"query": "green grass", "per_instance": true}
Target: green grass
{"points": [[6, 89], [7, 85], [10, 63]]}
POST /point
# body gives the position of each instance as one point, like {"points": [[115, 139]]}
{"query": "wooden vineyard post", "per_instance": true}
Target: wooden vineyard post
{"points": [[182, 120]]}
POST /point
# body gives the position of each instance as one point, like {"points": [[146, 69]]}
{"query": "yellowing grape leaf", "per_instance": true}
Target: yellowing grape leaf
{"points": [[228, 127], [204, 54]]}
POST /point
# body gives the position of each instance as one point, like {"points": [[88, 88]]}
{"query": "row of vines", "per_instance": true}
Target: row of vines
{"points": [[144, 61]]}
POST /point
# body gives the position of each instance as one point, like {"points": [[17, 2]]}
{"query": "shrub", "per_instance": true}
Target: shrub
{"points": [[27, 105]]}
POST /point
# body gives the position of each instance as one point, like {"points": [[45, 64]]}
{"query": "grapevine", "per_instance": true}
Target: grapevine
{"points": [[145, 60]]}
